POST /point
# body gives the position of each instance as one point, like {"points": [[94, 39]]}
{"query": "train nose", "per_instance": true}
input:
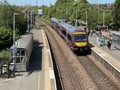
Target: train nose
{"points": [[81, 44]]}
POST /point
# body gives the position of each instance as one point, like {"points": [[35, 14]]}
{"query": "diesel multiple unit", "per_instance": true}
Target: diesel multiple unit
{"points": [[76, 38]]}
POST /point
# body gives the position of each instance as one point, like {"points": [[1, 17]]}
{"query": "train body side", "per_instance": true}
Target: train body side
{"points": [[21, 51], [77, 39]]}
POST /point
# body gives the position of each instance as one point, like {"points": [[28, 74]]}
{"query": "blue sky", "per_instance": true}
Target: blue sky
{"points": [[101, 1], [48, 2], [30, 2]]}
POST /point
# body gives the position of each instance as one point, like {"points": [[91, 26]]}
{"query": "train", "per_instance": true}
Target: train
{"points": [[115, 39], [76, 38], [20, 52]]}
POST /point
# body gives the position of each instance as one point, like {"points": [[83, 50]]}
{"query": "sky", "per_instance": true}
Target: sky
{"points": [[101, 1], [30, 2], [48, 2]]}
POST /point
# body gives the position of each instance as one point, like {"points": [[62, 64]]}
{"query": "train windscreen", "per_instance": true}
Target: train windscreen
{"points": [[19, 55], [80, 37]]}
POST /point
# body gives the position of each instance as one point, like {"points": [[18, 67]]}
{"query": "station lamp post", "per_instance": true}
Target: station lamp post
{"points": [[14, 14], [14, 48], [77, 1], [103, 18], [86, 17], [105, 26], [76, 18], [80, 10]]}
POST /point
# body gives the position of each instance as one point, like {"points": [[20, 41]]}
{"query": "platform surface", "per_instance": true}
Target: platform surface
{"points": [[111, 55], [40, 74]]}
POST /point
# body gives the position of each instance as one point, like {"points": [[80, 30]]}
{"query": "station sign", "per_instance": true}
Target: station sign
{"points": [[40, 11]]}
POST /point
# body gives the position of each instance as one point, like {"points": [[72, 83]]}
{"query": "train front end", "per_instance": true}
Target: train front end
{"points": [[81, 41]]}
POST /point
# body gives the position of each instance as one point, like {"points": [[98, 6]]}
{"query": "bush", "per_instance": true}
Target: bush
{"points": [[5, 37]]}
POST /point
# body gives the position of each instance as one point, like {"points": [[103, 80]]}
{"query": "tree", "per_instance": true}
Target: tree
{"points": [[116, 14], [5, 15], [5, 37], [6, 24], [67, 9]]}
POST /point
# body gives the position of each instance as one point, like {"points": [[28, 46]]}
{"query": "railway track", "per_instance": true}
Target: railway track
{"points": [[76, 73], [68, 80], [101, 80]]}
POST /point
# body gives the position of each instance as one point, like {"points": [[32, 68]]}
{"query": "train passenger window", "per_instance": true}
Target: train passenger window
{"points": [[64, 32], [69, 37], [80, 37]]}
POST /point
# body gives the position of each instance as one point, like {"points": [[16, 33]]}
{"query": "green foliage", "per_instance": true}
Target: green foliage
{"points": [[4, 56], [21, 24], [66, 9], [5, 16], [116, 14], [6, 24], [72, 9], [92, 21], [5, 37]]}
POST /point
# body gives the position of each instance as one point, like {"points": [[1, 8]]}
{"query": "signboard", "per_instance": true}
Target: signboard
{"points": [[40, 11]]}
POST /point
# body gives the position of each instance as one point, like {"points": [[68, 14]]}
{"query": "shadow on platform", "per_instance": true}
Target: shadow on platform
{"points": [[35, 62]]}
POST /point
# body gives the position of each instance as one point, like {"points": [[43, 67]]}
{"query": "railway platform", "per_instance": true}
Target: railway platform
{"points": [[40, 73], [110, 56]]}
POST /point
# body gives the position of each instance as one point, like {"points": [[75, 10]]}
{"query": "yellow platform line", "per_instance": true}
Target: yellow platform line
{"points": [[39, 82], [46, 62]]}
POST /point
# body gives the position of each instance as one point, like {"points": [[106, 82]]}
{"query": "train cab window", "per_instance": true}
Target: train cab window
{"points": [[20, 53], [19, 59], [23, 52], [80, 37]]}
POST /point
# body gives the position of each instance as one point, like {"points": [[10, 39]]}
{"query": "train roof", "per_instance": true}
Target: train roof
{"points": [[55, 20], [116, 32], [23, 42], [65, 25]]}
